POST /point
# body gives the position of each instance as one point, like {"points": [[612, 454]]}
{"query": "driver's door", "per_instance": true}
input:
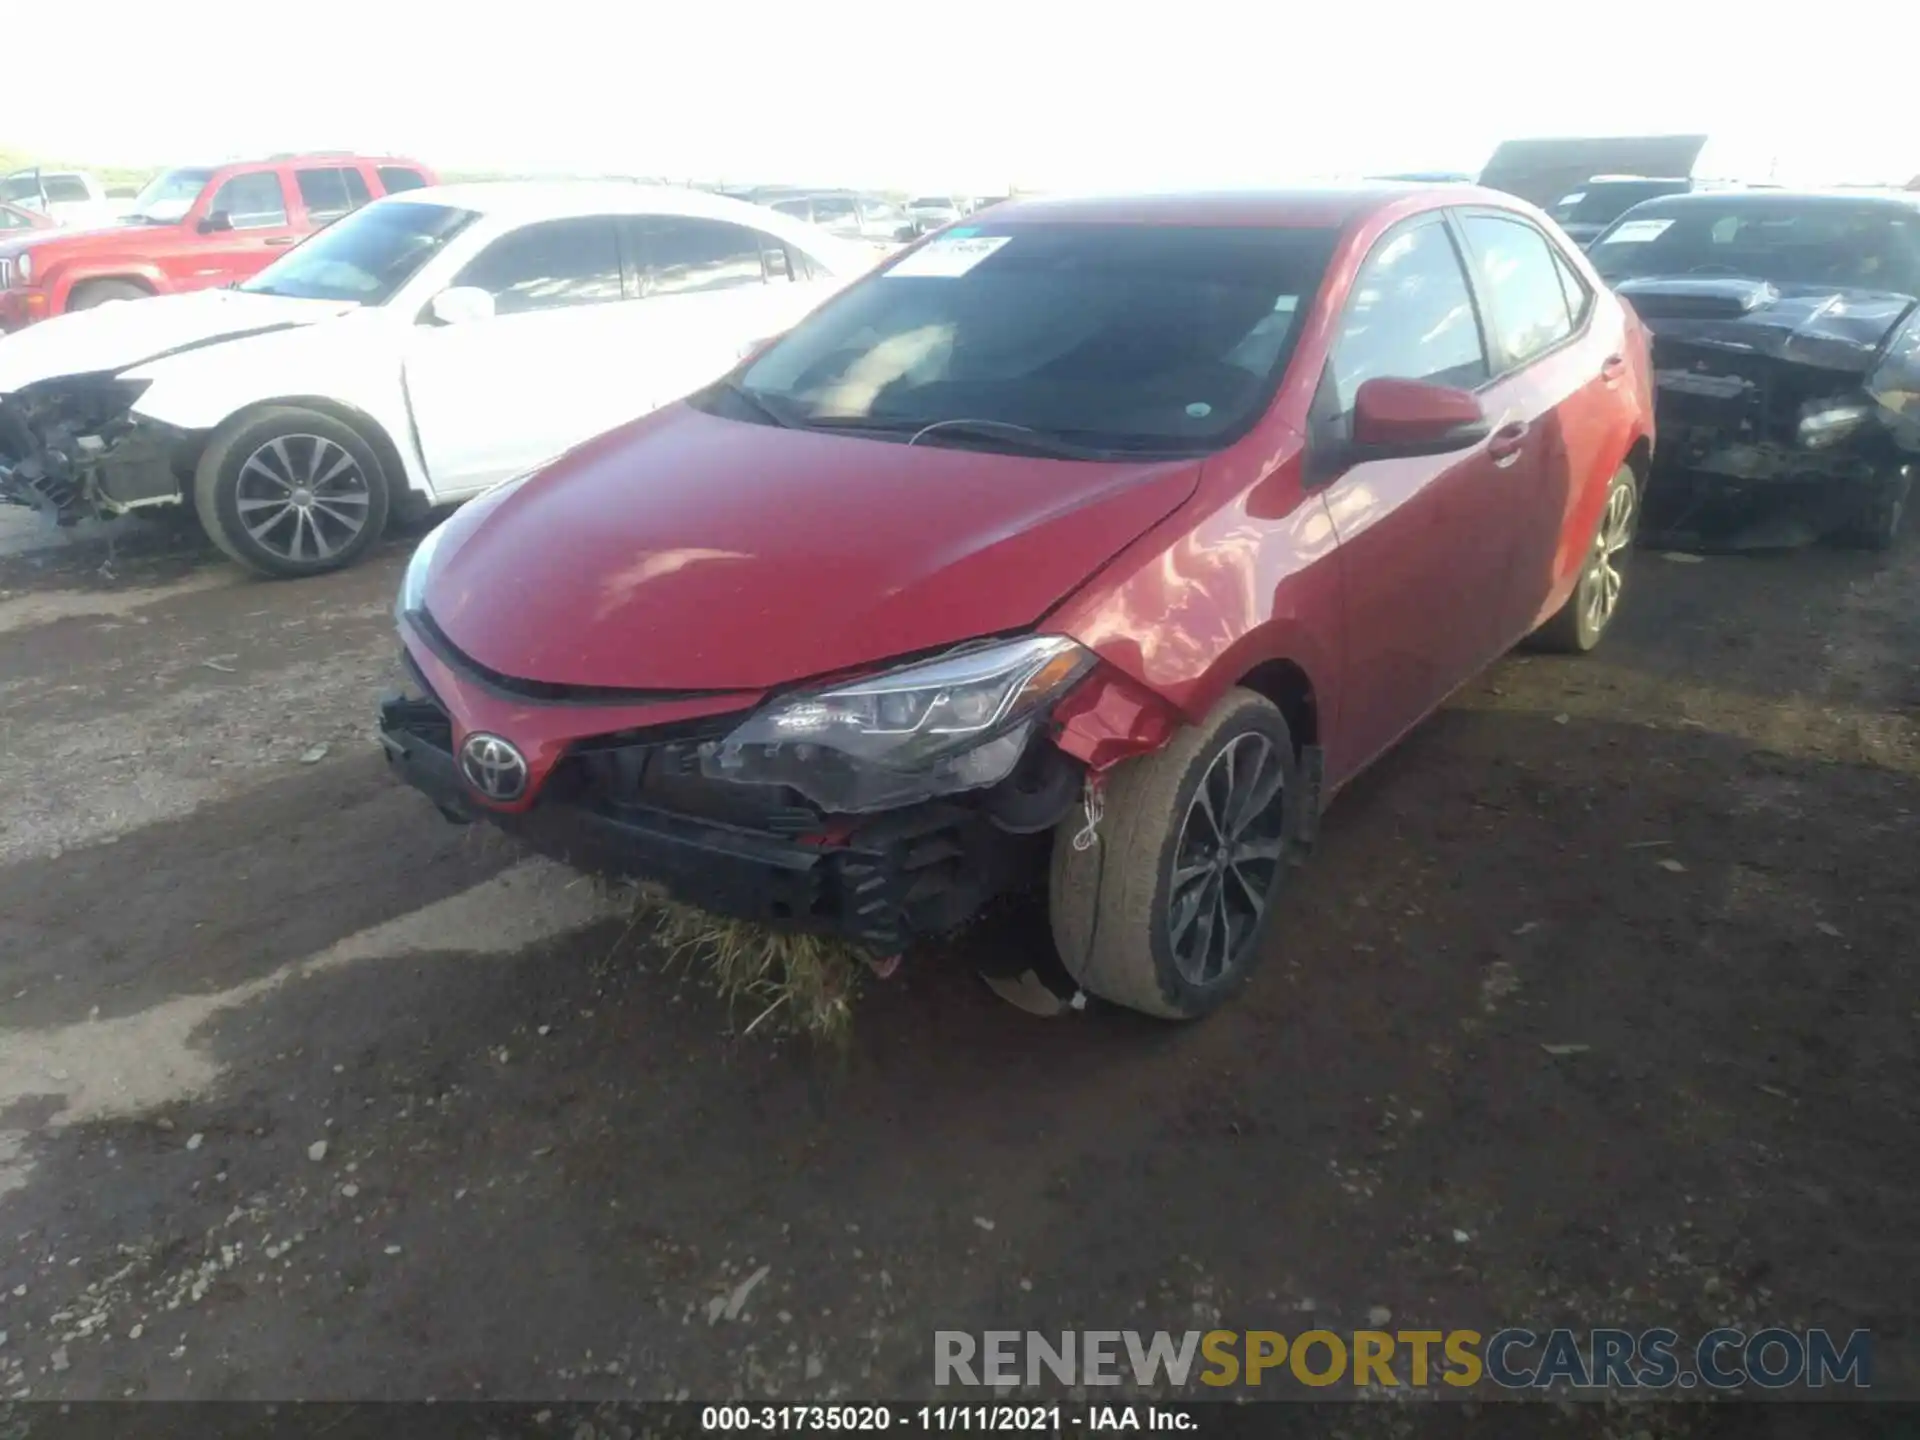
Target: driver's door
{"points": [[1422, 570], [497, 396], [259, 230]]}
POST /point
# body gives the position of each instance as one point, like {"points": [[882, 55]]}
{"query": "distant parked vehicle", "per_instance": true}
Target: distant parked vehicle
{"points": [[18, 217], [191, 229], [1786, 350], [66, 197], [930, 212], [850, 215], [410, 355], [1600, 201]]}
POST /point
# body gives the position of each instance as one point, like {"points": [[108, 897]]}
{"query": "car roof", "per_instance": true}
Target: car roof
{"points": [[1302, 207], [517, 202], [1769, 198], [557, 199]]}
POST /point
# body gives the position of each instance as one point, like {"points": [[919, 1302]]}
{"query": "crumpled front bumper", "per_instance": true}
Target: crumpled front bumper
{"points": [[896, 877]]}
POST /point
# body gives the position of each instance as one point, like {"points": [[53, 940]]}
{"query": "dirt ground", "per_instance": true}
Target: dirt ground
{"points": [[307, 1093]]}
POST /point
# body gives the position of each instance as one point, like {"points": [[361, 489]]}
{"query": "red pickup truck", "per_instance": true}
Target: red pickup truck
{"points": [[192, 229]]}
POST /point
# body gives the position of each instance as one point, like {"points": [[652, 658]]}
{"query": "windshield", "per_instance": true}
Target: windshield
{"points": [[169, 195], [364, 257], [1163, 338], [1871, 247]]}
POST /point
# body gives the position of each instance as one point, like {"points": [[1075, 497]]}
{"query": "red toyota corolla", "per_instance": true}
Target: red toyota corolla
{"points": [[1098, 541]]}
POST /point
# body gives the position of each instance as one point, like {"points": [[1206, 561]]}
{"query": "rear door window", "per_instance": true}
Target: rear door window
{"points": [[549, 265], [1409, 316], [67, 190], [682, 255], [330, 192], [1521, 282], [253, 201]]}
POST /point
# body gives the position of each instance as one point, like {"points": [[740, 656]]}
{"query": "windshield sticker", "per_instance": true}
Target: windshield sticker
{"points": [[1639, 232], [949, 256]]}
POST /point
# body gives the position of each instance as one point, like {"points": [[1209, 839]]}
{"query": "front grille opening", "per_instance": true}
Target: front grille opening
{"points": [[665, 776]]}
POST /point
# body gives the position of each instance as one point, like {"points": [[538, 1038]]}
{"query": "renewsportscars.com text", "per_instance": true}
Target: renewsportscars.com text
{"points": [[1513, 1359]]}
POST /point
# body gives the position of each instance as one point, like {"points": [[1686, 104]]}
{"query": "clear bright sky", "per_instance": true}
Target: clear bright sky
{"points": [[976, 94]]}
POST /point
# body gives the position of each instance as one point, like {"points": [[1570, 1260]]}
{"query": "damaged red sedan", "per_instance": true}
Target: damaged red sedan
{"points": [[1088, 547]]}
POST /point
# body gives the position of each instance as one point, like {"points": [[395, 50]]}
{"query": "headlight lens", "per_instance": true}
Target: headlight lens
{"points": [[957, 723], [23, 267]]}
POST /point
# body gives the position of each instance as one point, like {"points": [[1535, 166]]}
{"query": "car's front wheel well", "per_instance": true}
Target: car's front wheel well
{"points": [[363, 424], [106, 287], [1287, 686], [1640, 460]]}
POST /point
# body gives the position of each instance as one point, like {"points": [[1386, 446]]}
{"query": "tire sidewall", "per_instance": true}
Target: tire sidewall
{"points": [[1181, 995], [219, 505]]}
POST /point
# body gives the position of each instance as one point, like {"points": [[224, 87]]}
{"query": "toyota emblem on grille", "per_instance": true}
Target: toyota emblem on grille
{"points": [[493, 766]]}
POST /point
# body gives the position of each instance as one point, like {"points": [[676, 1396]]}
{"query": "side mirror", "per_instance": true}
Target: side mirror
{"points": [[218, 223], [461, 305], [1394, 418]]}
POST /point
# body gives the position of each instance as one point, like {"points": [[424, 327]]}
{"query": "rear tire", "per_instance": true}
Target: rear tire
{"points": [[1146, 917], [1877, 524], [99, 292], [288, 491], [1577, 626]]}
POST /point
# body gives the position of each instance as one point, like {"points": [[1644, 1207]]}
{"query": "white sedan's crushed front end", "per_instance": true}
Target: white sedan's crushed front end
{"points": [[72, 443]]}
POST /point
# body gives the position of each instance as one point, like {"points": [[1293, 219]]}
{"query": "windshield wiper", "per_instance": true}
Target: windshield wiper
{"points": [[758, 403], [1005, 434]]}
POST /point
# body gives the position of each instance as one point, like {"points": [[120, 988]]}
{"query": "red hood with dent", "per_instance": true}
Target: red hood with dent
{"points": [[689, 552]]}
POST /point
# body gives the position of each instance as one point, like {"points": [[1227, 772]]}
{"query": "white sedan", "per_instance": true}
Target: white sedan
{"points": [[410, 355]]}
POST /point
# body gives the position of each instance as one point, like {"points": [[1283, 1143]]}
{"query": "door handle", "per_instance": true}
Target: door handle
{"points": [[1505, 445], [279, 240], [1612, 368]]}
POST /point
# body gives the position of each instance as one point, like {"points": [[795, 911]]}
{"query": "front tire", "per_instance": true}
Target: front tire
{"points": [[289, 491], [1577, 626], [1151, 916], [1877, 524]]}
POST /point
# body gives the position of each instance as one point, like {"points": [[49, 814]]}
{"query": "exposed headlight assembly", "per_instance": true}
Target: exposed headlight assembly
{"points": [[1832, 423], [956, 723]]}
